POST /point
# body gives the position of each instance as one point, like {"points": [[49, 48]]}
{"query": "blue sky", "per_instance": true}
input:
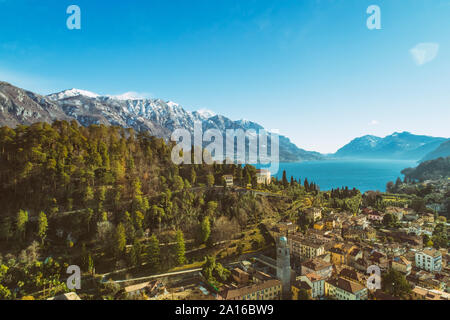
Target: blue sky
{"points": [[311, 69]]}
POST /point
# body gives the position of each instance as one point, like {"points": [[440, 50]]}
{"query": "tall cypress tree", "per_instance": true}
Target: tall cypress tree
{"points": [[153, 254], [306, 184], [180, 249], [121, 240], [285, 181]]}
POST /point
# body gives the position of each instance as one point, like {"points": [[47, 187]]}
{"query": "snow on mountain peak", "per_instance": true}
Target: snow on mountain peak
{"points": [[72, 93], [131, 95], [206, 113], [172, 104]]}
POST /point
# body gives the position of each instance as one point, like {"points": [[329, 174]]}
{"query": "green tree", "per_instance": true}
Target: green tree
{"points": [[135, 254], [390, 187], [214, 271], [178, 183], [208, 268], [389, 220], [211, 207], [395, 283], [6, 229], [180, 249], [42, 226], [88, 195], [426, 238], [90, 263], [120, 240], [284, 179], [440, 238], [205, 230], [240, 249], [193, 176], [418, 205], [210, 180], [5, 293], [153, 254], [398, 184], [21, 224]]}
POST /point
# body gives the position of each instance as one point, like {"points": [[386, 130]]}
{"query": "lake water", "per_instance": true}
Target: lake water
{"points": [[362, 174]]}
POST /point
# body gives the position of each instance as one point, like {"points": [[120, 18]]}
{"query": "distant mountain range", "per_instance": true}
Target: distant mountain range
{"points": [[399, 146], [159, 118], [442, 151]]}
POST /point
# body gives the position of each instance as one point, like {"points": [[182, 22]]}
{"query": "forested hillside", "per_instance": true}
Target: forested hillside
{"points": [[107, 198], [432, 169], [77, 193]]}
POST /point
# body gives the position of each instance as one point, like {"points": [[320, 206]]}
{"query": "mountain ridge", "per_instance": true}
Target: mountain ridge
{"points": [[158, 117], [398, 146], [442, 151]]}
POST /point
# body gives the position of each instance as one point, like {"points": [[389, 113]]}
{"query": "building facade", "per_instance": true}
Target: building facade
{"points": [[429, 260], [263, 176], [343, 289]]}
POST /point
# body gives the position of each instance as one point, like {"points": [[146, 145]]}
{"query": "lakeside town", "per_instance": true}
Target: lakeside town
{"points": [[333, 258], [111, 204]]}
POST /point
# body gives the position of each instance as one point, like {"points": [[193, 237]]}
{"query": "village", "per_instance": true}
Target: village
{"points": [[334, 259]]}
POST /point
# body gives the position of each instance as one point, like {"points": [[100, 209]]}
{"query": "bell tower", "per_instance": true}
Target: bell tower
{"points": [[284, 266]]}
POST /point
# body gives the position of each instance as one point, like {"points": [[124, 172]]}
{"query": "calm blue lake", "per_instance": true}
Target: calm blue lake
{"points": [[362, 174]]}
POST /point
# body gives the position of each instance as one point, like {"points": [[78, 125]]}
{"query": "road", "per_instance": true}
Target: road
{"points": [[163, 275]]}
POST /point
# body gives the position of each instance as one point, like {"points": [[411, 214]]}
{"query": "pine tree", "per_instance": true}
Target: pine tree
{"points": [[153, 254], [42, 226], [210, 180], [398, 184], [284, 180], [21, 224], [205, 230], [90, 263], [120, 240], [180, 249], [6, 229], [193, 176], [135, 254]]}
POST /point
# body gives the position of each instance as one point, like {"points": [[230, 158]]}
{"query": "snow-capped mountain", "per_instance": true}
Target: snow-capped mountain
{"points": [[71, 93], [160, 118], [205, 113]]}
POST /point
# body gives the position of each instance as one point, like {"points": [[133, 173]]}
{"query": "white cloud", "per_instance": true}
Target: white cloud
{"points": [[374, 122], [424, 52]]}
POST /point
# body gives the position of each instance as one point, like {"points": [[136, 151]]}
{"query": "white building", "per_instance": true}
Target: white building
{"points": [[316, 282], [344, 289], [429, 260], [228, 180], [263, 176]]}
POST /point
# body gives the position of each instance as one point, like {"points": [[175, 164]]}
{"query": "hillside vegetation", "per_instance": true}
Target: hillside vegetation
{"points": [[429, 170], [103, 198]]}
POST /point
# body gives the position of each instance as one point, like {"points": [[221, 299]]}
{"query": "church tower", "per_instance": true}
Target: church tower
{"points": [[284, 266]]}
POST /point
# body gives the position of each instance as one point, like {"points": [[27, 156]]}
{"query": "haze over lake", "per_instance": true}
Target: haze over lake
{"points": [[362, 174]]}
